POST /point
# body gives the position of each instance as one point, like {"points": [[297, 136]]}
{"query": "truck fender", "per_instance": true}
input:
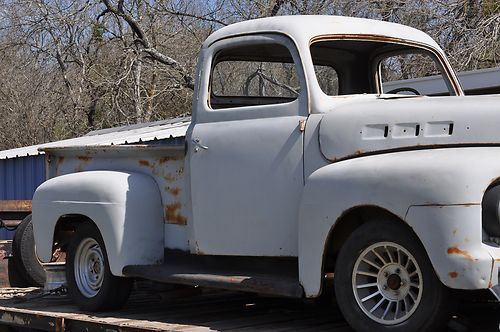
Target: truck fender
{"points": [[407, 185], [125, 206]]}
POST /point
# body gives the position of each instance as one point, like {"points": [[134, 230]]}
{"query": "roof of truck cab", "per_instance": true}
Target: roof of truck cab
{"points": [[306, 27]]}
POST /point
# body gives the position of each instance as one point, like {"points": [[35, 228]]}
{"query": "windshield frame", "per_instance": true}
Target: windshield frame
{"points": [[448, 74]]}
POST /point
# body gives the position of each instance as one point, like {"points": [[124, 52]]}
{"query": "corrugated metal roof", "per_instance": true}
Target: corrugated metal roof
{"points": [[139, 133]]}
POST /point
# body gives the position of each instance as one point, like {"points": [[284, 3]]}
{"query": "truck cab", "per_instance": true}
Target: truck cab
{"points": [[313, 151]]}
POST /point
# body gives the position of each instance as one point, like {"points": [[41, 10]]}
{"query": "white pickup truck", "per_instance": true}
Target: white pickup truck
{"points": [[308, 156]]}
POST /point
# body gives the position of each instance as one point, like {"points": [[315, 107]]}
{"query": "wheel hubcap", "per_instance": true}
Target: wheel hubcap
{"points": [[387, 283], [89, 267]]}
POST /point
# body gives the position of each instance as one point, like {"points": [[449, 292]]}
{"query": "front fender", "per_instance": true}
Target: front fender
{"points": [[126, 207], [394, 182]]}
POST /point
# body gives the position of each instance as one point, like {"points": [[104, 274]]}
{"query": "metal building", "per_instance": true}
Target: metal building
{"points": [[23, 170], [474, 82]]}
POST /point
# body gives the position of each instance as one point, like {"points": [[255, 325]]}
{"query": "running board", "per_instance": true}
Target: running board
{"points": [[274, 277]]}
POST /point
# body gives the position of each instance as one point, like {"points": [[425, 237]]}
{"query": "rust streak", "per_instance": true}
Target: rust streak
{"points": [[172, 215], [167, 158], [457, 251], [145, 163], [453, 275], [84, 158]]}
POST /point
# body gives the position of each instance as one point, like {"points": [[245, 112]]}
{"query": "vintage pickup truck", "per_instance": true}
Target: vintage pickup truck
{"points": [[310, 154]]}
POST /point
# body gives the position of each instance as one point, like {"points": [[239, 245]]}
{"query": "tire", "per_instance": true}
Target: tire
{"points": [[25, 270], [390, 299], [93, 289], [16, 277]]}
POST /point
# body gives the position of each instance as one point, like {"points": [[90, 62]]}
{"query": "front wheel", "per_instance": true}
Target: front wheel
{"points": [[90, 282], [384, 281]]}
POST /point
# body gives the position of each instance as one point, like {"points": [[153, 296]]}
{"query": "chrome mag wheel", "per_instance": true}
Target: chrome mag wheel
{"points": [[387, 283]]}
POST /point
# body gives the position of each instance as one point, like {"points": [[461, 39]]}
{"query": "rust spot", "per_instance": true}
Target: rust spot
{"points": [[174, 191], [60, 160], [145, 163], [84, 158], [166, 159], [169, 178], [453, 275], [172, 215], [15, 205], [490, 284], [457, 251]]}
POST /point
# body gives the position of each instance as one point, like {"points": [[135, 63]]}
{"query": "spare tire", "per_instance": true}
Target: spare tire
{"points": [[27, 269]]}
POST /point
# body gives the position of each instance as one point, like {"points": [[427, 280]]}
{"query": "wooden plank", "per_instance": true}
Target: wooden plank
{"points": [[199, 311]]}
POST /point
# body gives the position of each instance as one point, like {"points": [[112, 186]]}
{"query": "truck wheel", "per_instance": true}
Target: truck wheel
{"points": [[90, 282], [27, 271], [384, 281]]}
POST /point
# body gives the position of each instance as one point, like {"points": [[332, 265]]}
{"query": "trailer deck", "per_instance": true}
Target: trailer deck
{"points": [[197, 310]]}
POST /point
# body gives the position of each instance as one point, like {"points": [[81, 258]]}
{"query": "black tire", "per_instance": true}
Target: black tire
{"points": [[16, 277], [431, 313], [25, 270], [112, 293]]}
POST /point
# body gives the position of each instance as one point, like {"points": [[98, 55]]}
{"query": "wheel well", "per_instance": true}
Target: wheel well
{"points": [[347, 224], [65, 229]]}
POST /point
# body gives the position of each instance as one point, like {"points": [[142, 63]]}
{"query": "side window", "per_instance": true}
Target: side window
{"points": [[328, 79], [402, 74], [253, 75]]}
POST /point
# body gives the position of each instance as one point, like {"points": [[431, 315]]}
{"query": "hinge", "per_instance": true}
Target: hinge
{"points": [[302, 125]]}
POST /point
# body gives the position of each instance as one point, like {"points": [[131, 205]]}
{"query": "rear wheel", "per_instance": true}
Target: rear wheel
{"points": [[90, 282], [25, 270], [384, 281]]}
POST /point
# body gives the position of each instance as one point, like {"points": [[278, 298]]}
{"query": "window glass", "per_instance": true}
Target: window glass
{"points": [[406, 73], [255, 79], [328, 79], [253, 74]]}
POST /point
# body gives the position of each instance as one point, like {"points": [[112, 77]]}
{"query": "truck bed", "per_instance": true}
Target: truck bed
{"points": [[196, 309]]}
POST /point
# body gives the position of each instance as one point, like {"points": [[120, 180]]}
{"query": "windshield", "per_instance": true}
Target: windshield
{"points": [[365, 66]]}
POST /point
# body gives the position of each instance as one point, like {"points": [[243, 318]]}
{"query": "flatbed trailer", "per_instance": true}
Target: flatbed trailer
{"points": [[195, 310], [185, 309]]}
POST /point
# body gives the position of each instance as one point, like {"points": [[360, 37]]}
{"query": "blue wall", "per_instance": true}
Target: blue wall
{"points": [[19, 177]]}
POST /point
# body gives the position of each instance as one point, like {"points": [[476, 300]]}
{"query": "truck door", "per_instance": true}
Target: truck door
{"points": [[246, 148]]}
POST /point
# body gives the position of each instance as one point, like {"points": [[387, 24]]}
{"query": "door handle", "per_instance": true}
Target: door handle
{"points": [[197, 145]]}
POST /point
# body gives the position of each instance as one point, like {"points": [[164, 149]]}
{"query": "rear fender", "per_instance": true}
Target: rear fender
{"points": [[126, 207]]}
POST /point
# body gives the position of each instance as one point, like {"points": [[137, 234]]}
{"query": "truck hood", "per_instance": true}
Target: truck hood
{"points": [[393, 124]]}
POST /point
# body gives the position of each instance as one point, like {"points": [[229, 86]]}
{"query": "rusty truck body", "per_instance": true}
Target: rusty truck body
{"points": [[306, 157]]}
